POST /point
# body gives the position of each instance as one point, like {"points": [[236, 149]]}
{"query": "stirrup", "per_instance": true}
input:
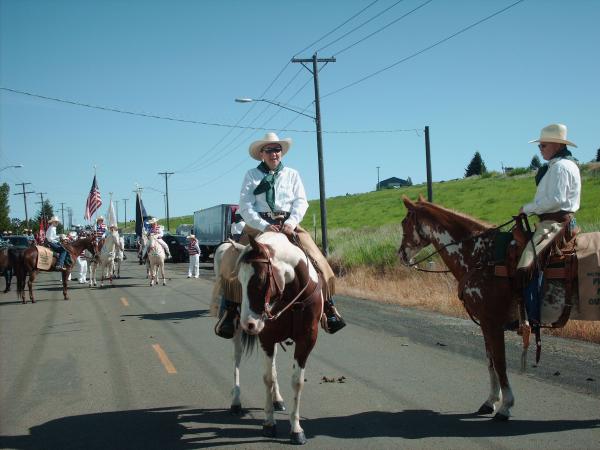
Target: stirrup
{"points": [[226, 326], [334, 323]]}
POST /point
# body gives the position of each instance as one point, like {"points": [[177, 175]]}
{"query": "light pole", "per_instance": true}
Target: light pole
{"points": [[322, 196], [16, 166], [377, 178]]}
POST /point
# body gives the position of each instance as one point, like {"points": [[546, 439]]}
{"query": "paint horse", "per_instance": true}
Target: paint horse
{"points": [[281, 300], [466, 246], [27, 266]]}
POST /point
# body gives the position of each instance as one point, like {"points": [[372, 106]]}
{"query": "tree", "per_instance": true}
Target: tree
{"points": [[409, 182], [598, 155], [46, 211], [535, 163], [4, 208], [476, 166]]}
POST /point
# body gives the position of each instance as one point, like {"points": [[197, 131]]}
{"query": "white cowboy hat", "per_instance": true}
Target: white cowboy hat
{"points": [[190, 236], [556, 132], [270, 138], [54, 219], [152, 220], [100, 218], [113, 225]]}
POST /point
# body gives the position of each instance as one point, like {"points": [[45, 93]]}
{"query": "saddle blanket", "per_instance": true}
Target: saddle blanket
{"points": [[588, 260], [44, 261]]}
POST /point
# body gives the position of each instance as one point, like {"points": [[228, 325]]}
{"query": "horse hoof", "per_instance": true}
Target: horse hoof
{"points": [[279, 406], [235, 410], [485, 409], [499, 417], [269, 430], [297, 438]]}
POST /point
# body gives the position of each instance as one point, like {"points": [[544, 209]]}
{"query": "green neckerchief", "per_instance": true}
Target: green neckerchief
{"points": [[267, 184], [564, 153]]}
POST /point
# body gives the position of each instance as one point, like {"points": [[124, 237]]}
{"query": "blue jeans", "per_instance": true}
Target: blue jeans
{"points": [[62, 253]]}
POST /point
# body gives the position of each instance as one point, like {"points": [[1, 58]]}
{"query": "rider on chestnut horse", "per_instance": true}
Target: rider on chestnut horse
{"points": [[52, 239]]}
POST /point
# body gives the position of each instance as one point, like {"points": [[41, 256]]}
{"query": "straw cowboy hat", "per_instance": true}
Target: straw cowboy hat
{"points": [[152, 220], [556, 132], [191, 236], [100, 218], [270, 138], [54, 219]]}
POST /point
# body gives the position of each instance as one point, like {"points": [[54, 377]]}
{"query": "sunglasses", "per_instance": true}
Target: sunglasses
{"points": [[541, 146], [271, 150]]}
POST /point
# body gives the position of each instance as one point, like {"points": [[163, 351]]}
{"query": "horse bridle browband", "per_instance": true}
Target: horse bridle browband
{"points": [[268, 307]]}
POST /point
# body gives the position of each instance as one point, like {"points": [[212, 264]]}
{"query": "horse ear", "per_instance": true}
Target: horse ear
{"points": [[407, 202], [421, 198]]}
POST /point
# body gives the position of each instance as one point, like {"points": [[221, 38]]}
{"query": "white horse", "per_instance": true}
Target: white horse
{"points": [[106, 259], [225, 259], [156, 260], [119, 257]]}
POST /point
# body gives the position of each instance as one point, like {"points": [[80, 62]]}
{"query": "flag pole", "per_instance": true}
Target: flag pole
{"points": [[95, 212]]}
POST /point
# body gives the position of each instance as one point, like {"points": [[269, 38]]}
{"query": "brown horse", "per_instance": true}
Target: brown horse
{"points": [[467, 248], [28, 265], [281, 299]]}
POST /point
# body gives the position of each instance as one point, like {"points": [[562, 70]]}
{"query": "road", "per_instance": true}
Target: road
{"points": [[135, 367]]}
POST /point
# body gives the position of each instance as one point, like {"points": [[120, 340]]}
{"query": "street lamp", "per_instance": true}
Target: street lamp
{"points": [[16, 166], [322, 197]]}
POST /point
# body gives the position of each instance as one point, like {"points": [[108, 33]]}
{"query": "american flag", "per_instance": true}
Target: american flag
{"points": [[94, 201]]}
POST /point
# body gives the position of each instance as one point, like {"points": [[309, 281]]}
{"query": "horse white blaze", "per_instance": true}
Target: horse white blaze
{"points": [[297, 385], [251, 322]]}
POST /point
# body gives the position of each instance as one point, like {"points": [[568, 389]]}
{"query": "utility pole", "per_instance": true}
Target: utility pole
{"points": [[377, 177], [70, 214], [41, 203], [117, 211], [428, 163], [166, 174], [322, 198], [62, 212], [125, 210], [24, 194]]}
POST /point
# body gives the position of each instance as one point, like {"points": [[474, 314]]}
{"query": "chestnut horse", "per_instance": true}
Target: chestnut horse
{"points": [[467, 248], [281, 300], [28, 265]]}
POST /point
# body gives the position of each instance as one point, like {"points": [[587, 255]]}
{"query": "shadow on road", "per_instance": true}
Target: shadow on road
{"points": [[177, 315], [178, 428]]}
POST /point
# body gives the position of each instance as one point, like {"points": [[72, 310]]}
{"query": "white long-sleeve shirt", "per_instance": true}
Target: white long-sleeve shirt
{"points": [[559, 189], [289, 197], [51, 235]]}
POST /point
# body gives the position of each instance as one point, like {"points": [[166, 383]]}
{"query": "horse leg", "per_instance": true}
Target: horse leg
{"points": [[488, 406], [65, 279], [162, 271], [269, 425], [30, 285], [495, 338], [236, 404], [278, 403]]}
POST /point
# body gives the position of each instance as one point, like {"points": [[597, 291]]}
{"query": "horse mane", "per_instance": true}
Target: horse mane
{"points": [[449, 214]]}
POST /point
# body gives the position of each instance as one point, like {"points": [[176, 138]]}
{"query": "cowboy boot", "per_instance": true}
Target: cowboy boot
{"points": [[333, 320], [228, 312]]}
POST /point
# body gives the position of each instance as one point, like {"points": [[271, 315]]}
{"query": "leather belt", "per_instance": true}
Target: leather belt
{"points": [[558, 216], [274, 214]]}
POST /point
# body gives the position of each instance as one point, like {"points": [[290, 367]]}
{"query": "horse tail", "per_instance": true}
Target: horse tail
{"points": [[249, 343]]}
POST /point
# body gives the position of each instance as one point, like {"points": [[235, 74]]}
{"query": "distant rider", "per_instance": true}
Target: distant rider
{"points": [[156, 230], [53, 241]]}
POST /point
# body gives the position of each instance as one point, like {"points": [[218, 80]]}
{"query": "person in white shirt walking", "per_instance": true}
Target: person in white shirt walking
{"points": [[272, 198], [237, 226], [194, 252]]}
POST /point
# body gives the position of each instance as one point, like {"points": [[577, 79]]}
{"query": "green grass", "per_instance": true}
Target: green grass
{"points": [[364, 229]]}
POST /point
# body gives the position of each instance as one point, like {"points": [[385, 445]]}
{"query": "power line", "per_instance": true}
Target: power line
{"points": [[441, 41], [383, 27], [359, 26], [337, 28]]}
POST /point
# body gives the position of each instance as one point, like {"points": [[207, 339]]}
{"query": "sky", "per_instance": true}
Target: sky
{"points": [[490, 89]]}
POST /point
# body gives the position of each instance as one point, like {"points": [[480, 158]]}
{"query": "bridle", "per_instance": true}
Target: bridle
{"points": [[267, 314]]}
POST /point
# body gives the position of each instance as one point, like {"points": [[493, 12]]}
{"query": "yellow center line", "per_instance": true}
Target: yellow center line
{"points": [[164, 359], [124, 301]]}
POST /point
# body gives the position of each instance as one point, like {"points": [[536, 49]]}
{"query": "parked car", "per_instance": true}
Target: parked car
{"points": [[178, 247], [18, 241], [130, 240]]}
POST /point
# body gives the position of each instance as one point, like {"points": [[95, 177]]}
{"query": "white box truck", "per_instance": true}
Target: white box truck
{"points": [[212, 226]]}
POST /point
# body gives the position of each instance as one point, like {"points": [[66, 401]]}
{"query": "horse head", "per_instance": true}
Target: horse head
{"points": [[413, 239], [263, 279]]}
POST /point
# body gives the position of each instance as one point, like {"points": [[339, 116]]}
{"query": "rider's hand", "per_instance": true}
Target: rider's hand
{"points": [[287, 229], [274, 228]]}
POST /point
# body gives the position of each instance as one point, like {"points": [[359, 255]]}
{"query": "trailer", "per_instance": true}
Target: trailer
{"points": [[212, 226]]}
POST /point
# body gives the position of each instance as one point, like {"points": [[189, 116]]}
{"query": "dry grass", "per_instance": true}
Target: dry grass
{"points": [[432, 292]]}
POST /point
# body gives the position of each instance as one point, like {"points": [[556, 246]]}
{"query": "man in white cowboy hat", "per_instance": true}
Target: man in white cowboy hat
{"points": [[100, 228], [53, 241], [272, 198], [194, 252], [157, 231]]}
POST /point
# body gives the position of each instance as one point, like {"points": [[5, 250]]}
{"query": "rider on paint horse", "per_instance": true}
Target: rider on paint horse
{"points": [[272, 198], [156, 230], [53, 241], [100, 228]]}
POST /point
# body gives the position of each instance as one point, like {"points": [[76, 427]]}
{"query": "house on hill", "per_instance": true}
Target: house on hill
{"points": [[394, 183]]}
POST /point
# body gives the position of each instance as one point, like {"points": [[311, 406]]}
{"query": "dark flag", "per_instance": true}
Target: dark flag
{"points": [[140, 215], [94, 201]]}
